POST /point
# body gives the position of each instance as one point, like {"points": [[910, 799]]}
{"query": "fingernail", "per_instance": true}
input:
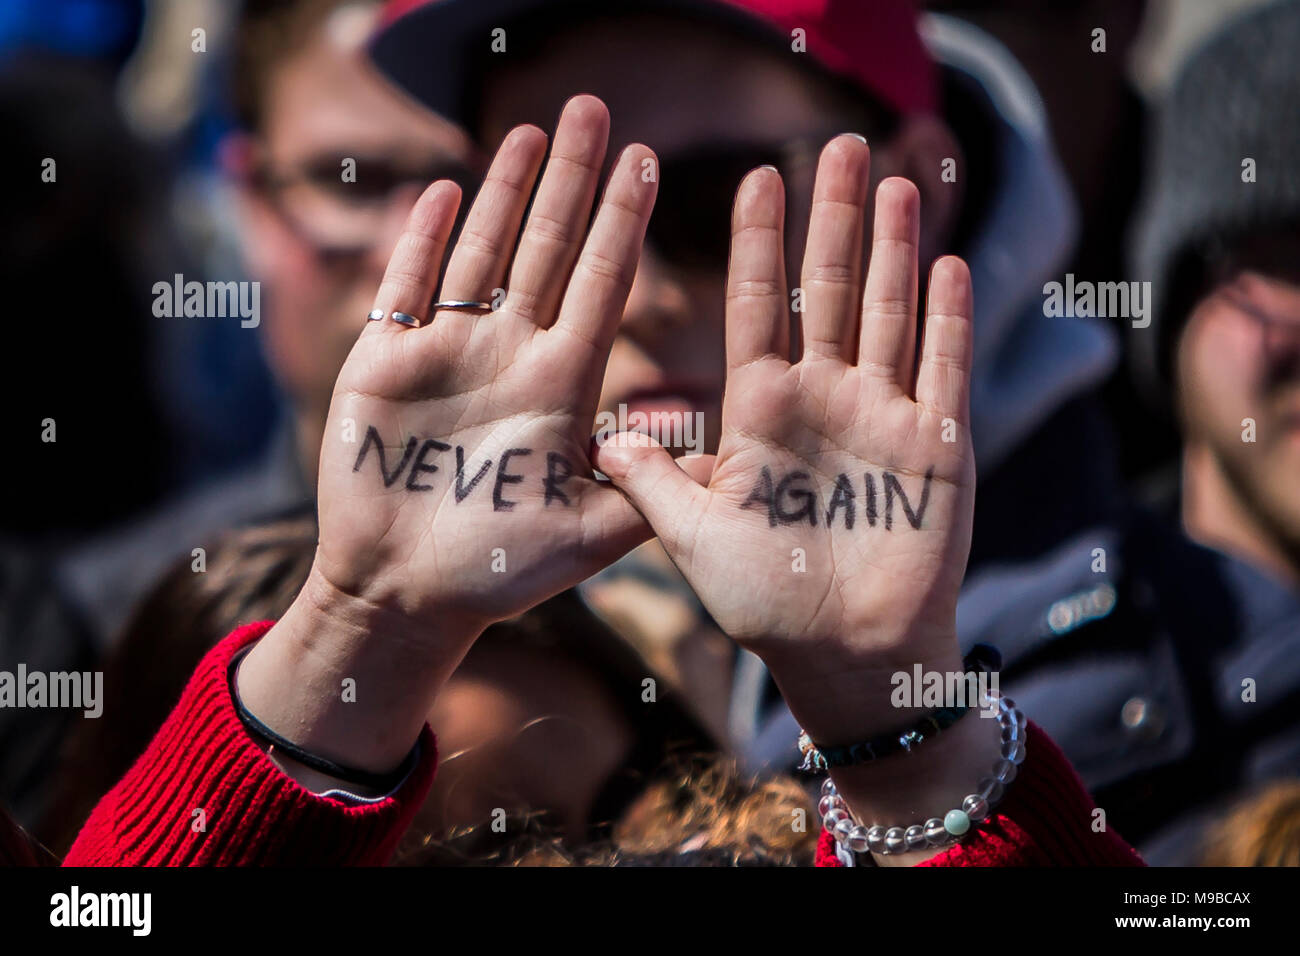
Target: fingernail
{"points": [[859, 137]]}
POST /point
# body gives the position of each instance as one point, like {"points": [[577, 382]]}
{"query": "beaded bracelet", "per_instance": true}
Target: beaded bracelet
{"points": [[982, 658], [936, 831]]}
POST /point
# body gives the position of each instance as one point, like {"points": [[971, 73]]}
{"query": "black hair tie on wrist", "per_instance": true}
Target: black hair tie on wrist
{"points": [[983, 658], [382, 782]]}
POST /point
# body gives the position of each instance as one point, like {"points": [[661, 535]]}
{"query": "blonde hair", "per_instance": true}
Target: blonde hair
{"points": [[1263, 830], [701, 812], [713, 807]]}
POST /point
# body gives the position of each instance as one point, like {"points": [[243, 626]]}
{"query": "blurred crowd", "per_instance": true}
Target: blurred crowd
{"points": [[1136, 553]]}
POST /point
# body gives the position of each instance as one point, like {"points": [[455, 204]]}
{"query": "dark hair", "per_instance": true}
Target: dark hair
{"points": [[1202, 266]]}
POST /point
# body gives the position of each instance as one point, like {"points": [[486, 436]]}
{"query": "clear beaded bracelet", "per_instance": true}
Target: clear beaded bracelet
{"points": [[936, 831]]}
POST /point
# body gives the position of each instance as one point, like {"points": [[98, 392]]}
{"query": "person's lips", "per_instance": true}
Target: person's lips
{"points": [[669, 397], [674, 413]]}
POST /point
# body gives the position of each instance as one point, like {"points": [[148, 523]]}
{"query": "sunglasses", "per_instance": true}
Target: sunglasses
{"points": [[691, 224], [690, 227]]}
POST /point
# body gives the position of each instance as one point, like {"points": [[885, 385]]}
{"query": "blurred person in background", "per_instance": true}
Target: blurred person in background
{"points": [[1220, 241], [326, 161], [316, 234]]}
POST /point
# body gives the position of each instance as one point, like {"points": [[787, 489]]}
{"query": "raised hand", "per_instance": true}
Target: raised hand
{"points": [[833, 534], [455, 487], [454, 479]]}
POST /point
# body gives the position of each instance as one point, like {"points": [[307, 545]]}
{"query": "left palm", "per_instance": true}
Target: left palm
{"points": [[837, 519]]}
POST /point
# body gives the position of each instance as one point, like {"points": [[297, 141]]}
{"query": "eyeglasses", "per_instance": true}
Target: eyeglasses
{"points": [[690, 227], [1286, 326], [341, 216]]}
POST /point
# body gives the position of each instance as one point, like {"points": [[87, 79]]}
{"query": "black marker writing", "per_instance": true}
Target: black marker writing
{"points": [[417, 462], [790, 500], [558, 471], [808, 508], [419, 466], [892, 487], [372, 437], [503, 479], [462, 489], [762, 494], [841, 497]]}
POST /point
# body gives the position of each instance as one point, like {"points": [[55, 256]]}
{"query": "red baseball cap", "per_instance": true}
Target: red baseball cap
{"points": [[436, 49]]}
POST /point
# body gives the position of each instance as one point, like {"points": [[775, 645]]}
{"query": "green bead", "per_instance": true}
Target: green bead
{"points": [[956, 822]]}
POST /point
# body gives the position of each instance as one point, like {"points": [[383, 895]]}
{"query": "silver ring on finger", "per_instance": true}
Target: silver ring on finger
{"points": [[463, 305]]}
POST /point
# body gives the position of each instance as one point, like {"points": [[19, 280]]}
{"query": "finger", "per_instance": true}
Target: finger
{"points": [[593, 305], [613, 525], [412, 273], [943, 383], [669, 498], [831, 276], [699, 467], [758, 322], [888, 337], [487, 240], [561, 212]]}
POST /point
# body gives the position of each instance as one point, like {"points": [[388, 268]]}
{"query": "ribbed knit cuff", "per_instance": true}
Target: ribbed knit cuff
{"points": [[205, 793], [1046, 820]]}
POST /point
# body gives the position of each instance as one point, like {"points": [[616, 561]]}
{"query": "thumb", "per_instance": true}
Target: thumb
{"points": [[669, 495], [699, 467]]}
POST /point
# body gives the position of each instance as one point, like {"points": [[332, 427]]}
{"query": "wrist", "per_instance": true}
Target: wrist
{"points": [[908, 788], [842, 698], [410, 620], [348, 680]]}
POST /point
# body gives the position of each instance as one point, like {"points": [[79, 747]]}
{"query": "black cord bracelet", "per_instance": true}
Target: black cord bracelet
{"points": [[382, 782], [983, 658]]}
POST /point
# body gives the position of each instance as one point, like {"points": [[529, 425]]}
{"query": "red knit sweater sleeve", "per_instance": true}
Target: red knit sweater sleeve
{"points": [[252, 812], [1046, 819]]}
